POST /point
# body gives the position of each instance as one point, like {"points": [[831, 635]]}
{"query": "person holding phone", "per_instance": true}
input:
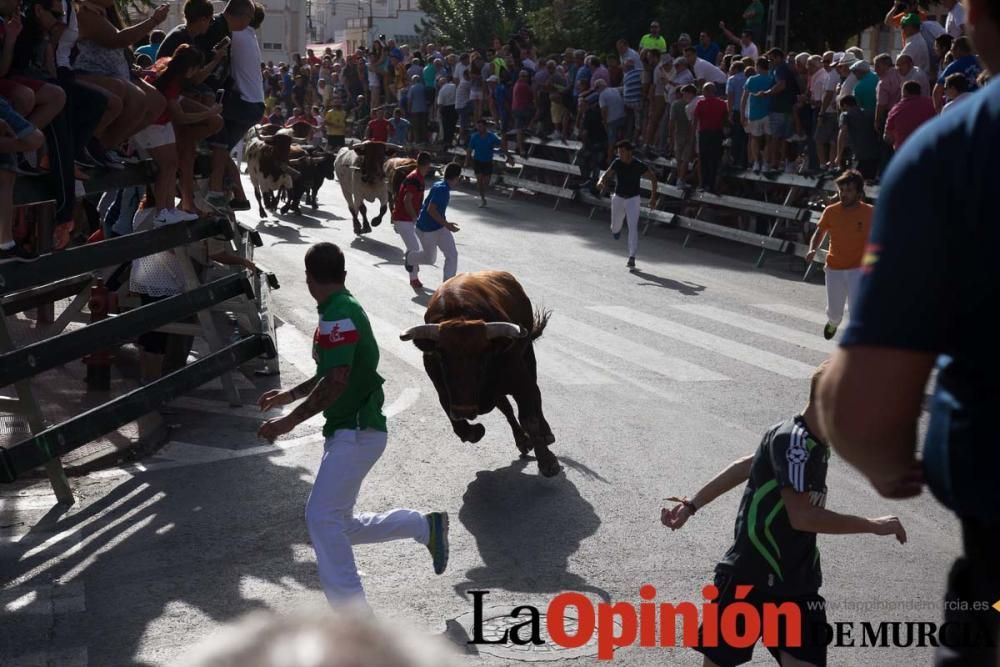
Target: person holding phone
{"points": [[242, 107]]}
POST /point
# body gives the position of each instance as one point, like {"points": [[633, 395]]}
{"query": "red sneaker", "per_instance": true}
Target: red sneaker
{"points": [[416, 284]]}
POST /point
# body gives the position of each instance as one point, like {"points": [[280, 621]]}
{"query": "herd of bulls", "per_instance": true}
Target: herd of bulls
{"points": [[479, 328], [283, 166]]}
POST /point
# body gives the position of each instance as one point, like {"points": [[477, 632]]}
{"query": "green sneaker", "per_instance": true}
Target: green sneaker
{"points": [[829, 331], [437, 543]]}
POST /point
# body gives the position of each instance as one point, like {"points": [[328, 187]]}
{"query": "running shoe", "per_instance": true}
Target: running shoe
{"points": [[239, 204], [437, 541], [630, 263], [416, 284], [829, 331]]}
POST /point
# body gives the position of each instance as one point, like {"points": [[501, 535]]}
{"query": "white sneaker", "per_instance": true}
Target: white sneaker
{"points": [[796, 138], [169, 216], [789, 167], [757, 168]]}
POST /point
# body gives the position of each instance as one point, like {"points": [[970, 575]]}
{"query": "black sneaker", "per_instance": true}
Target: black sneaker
{"points": [[16, 253], [829, 331], [239, 204], [630, 263]]}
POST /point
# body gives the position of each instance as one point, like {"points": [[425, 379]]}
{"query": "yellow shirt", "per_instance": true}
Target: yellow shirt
{"points": [[336, 122], [848, 229]]}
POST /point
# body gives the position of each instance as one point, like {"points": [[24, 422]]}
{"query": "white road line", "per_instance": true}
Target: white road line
{"points": [[706, 341], [810, 341], [793, 311], [44, 600], [565, 369], [405, 401], [296, 347], [634, 353]]}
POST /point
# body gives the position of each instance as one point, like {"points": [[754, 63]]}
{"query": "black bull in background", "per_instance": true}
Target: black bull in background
{"points": [[478, 349]]}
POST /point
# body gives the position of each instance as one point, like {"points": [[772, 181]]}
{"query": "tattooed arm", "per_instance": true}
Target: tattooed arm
{"points": [[319, 392]]}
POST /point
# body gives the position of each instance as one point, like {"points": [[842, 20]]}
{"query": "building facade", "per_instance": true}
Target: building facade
{"points": [[354, 23]]}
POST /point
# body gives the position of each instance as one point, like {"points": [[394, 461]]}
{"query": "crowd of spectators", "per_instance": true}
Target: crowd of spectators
{"points": [[138, 92], [783, 112], [81, 89]]}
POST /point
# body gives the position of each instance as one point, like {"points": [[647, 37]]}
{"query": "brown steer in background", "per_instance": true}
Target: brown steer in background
{"points": [[478, 349]]}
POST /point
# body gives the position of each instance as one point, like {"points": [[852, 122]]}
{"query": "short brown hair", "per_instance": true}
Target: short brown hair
{"points": [[325, 263], [852, 176]]}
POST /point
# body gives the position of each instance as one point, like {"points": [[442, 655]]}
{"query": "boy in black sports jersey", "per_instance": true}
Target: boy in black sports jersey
{"points": [[781, 512]]}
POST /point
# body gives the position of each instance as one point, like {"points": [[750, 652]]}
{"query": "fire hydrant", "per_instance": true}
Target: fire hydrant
{"points": [[102, 302]]}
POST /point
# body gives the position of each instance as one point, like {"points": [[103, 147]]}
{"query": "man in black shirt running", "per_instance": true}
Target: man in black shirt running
{"points": [[775, 550], [625, 202]]}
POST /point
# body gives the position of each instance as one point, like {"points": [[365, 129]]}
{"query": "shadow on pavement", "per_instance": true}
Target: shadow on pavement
{"points": [[160, 551], [389, 253], [526, 527], [583, 469], [683, 288]]}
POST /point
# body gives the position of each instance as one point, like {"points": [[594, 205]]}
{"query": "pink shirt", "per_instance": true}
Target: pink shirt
{"points": [[522, 96], [904, 118], [890, 89]]}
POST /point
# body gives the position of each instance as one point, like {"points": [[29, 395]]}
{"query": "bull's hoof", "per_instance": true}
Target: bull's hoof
{"points": [[366, 229], [523, 445], [475, 433], [357, 230], [549, 439], [376, 222]]}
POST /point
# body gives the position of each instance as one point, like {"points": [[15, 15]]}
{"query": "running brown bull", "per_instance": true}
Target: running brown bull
{"points": [[478, 350]]}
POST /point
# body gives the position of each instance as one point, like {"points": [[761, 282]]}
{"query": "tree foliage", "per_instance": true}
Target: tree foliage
{"points": [[816, 25]]}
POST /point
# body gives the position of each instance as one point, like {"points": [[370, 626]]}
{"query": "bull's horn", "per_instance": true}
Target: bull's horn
{"points": [[504, 330], [421, 332], [395, 147]]}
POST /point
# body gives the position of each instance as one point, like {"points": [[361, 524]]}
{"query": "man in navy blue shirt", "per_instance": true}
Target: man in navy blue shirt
{"points": [[926, 295], [480, 152], [433, 227]]}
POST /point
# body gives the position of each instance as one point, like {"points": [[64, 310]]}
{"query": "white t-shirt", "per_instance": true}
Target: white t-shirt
{"points": [[630, 54], [847, 87], [463, 92], [954, 25], [706, 71], [611, 100], [916, 48], [457, 74], [68, 39], [916, 75], [244, 56], [749, 51], [680, 80], [817, 85], [446, 95]]}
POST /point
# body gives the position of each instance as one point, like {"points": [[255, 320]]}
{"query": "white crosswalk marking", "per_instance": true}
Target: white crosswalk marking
{"points": [[706, 341], [811, 341], [793, 311], [561, 367], [634, 353]]}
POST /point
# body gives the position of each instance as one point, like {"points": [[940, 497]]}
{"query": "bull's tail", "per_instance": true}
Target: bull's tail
{"points": [[542, 316]]}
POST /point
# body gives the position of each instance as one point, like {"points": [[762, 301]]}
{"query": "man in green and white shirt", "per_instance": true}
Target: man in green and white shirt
{"points": [[348, 390]]}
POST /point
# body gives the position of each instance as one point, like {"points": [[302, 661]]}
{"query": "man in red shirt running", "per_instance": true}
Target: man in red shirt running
{"points": [[710, 117], [378, 127], [405, 210]]}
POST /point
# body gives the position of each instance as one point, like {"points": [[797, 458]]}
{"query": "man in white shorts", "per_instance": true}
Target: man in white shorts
{"points": [[755, 110]]}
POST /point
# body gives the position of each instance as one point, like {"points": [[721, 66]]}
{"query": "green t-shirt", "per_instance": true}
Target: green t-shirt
{"points": [[344, 338], [757, 20], [650, 42]]}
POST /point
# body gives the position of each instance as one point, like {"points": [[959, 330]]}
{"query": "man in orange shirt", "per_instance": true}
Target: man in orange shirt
{"points": [[848, 223]]}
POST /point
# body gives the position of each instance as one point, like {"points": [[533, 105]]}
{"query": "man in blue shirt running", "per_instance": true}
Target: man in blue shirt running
{"points": [[480, 152], [433, 227]]}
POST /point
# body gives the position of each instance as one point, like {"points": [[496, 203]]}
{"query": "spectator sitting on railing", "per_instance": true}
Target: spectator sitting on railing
{"points": [[159, 138], [151, 48], [102, 61], [912, 111], [16, 135], [400, 133], [197, 17], [38, 102]]}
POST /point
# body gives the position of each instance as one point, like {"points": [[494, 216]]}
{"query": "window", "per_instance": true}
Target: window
{"points": [[409, 5], [271, 46]]}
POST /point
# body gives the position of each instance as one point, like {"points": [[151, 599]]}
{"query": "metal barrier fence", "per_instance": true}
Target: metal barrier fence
{"points": [[79, 272]]}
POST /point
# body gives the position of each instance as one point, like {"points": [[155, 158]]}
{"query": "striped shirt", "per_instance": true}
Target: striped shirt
{"points": [[632, 88]]}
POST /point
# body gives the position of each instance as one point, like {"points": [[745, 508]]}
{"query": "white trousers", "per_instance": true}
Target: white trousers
{"points": [[408, 232], [333, 525], [430, 242], [841, 285], [626, 209]]}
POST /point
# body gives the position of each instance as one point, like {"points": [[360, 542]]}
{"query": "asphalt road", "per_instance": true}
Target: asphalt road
{"points": [[652, 381]]}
